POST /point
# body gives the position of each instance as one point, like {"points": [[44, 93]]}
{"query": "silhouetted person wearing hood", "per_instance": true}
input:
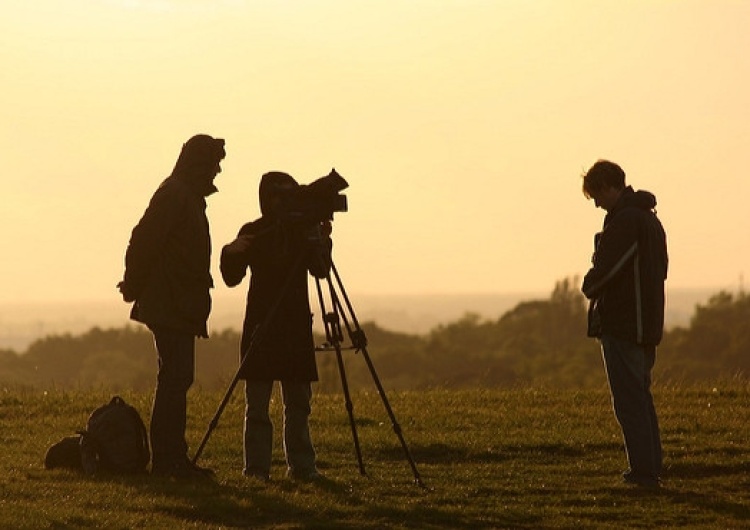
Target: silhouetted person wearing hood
{"points": [[625, 286], [279, 251], [167, 276]]}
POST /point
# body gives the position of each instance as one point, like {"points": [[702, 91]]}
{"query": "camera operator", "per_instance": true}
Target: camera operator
{"points": [[280, 250]]}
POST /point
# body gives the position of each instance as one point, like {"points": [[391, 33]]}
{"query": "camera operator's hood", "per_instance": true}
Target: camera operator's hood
{"points": [[273, 185]]}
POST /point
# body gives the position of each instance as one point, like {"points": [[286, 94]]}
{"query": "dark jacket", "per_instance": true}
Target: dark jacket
{"points": [[278, 308], [167, 263], [626, 282]]}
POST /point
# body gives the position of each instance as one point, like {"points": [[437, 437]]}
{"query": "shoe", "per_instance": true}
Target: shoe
{"points": [[257, 476], [643, 481], [305, 476]]}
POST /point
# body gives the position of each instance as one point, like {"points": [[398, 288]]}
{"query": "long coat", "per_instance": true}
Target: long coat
{"points": [[167, 262], [278, 321]]}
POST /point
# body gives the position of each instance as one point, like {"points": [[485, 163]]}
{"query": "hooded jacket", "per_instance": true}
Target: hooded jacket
{"points": [[278, 321], [167, 262], [626, 281]]}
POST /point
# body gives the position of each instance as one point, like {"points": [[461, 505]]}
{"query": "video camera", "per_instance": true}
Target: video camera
{"points": [[315, 202]]}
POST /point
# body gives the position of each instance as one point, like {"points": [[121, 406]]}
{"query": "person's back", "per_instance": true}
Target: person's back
{"points": [[168, 260]]}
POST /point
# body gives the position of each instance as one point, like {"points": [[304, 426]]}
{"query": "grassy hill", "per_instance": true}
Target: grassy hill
{"points": [[519, 458]]}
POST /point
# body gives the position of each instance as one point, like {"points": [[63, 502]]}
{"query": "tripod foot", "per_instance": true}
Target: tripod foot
{"points": [[418, 482]]}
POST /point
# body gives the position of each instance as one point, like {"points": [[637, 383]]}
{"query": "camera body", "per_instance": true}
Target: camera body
{"points": [[315, 202]]}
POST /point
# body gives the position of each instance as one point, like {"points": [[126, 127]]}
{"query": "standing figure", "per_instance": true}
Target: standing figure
{"points": [[625, 286], [277, 342], [167, 276]]}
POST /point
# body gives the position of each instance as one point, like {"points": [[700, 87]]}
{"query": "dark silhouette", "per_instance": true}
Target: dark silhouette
{"points": [[626, 287], [167, 276], [277, 332]]}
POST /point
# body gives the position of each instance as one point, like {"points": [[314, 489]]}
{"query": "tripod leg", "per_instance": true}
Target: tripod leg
{"points": [[392, 416], [215, 421], [359, 340], [350, 410], [333, 336]]}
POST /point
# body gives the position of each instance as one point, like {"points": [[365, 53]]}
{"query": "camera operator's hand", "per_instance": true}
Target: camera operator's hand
{"points": [[242, 244], [320, 257], [236, 256], [319, 234]]}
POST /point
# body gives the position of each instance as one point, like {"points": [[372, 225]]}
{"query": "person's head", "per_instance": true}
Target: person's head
{"points": [[604, 182], [200, 161], [273, 186]]}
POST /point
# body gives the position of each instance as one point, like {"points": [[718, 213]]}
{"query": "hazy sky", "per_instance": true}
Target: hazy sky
{"points": [[462, 126]]}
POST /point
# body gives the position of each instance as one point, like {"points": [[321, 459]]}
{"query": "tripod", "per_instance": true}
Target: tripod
{"points": [[334, 336]]}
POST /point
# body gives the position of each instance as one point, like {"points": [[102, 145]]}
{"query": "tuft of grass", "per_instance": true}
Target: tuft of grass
{"points": [[489, 458]]}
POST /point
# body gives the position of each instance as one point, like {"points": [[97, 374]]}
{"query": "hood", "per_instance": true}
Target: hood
{"points": [[645, 200], [273, 185]]}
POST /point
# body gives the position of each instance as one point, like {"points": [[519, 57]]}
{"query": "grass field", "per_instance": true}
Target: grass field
{"points": [[518, 458]]}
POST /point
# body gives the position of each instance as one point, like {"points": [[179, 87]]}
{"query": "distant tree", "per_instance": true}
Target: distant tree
{"points": [[715, 344], [546, 339], [396, 357], [457, 353], [536, 342], [11, 367], [217, 359], [116, 370]]}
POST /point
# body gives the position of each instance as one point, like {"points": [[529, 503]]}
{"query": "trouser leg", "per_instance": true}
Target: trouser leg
{"points": [[628, 368], [176, 360], [650, 357], [258, 435], [298, 447]]}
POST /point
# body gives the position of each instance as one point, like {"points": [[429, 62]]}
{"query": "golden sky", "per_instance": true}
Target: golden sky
{"points": [[462, 127]]}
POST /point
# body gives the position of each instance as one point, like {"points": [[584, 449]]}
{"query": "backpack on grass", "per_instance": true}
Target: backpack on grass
{"points": [[65, 453], [114, 441]]}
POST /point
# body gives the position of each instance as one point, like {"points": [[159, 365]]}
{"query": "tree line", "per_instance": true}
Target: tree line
{"points": [[540, 342]]}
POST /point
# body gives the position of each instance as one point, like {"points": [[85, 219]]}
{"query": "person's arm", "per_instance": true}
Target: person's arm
{"points": [[237, 255], [616, 248]]}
